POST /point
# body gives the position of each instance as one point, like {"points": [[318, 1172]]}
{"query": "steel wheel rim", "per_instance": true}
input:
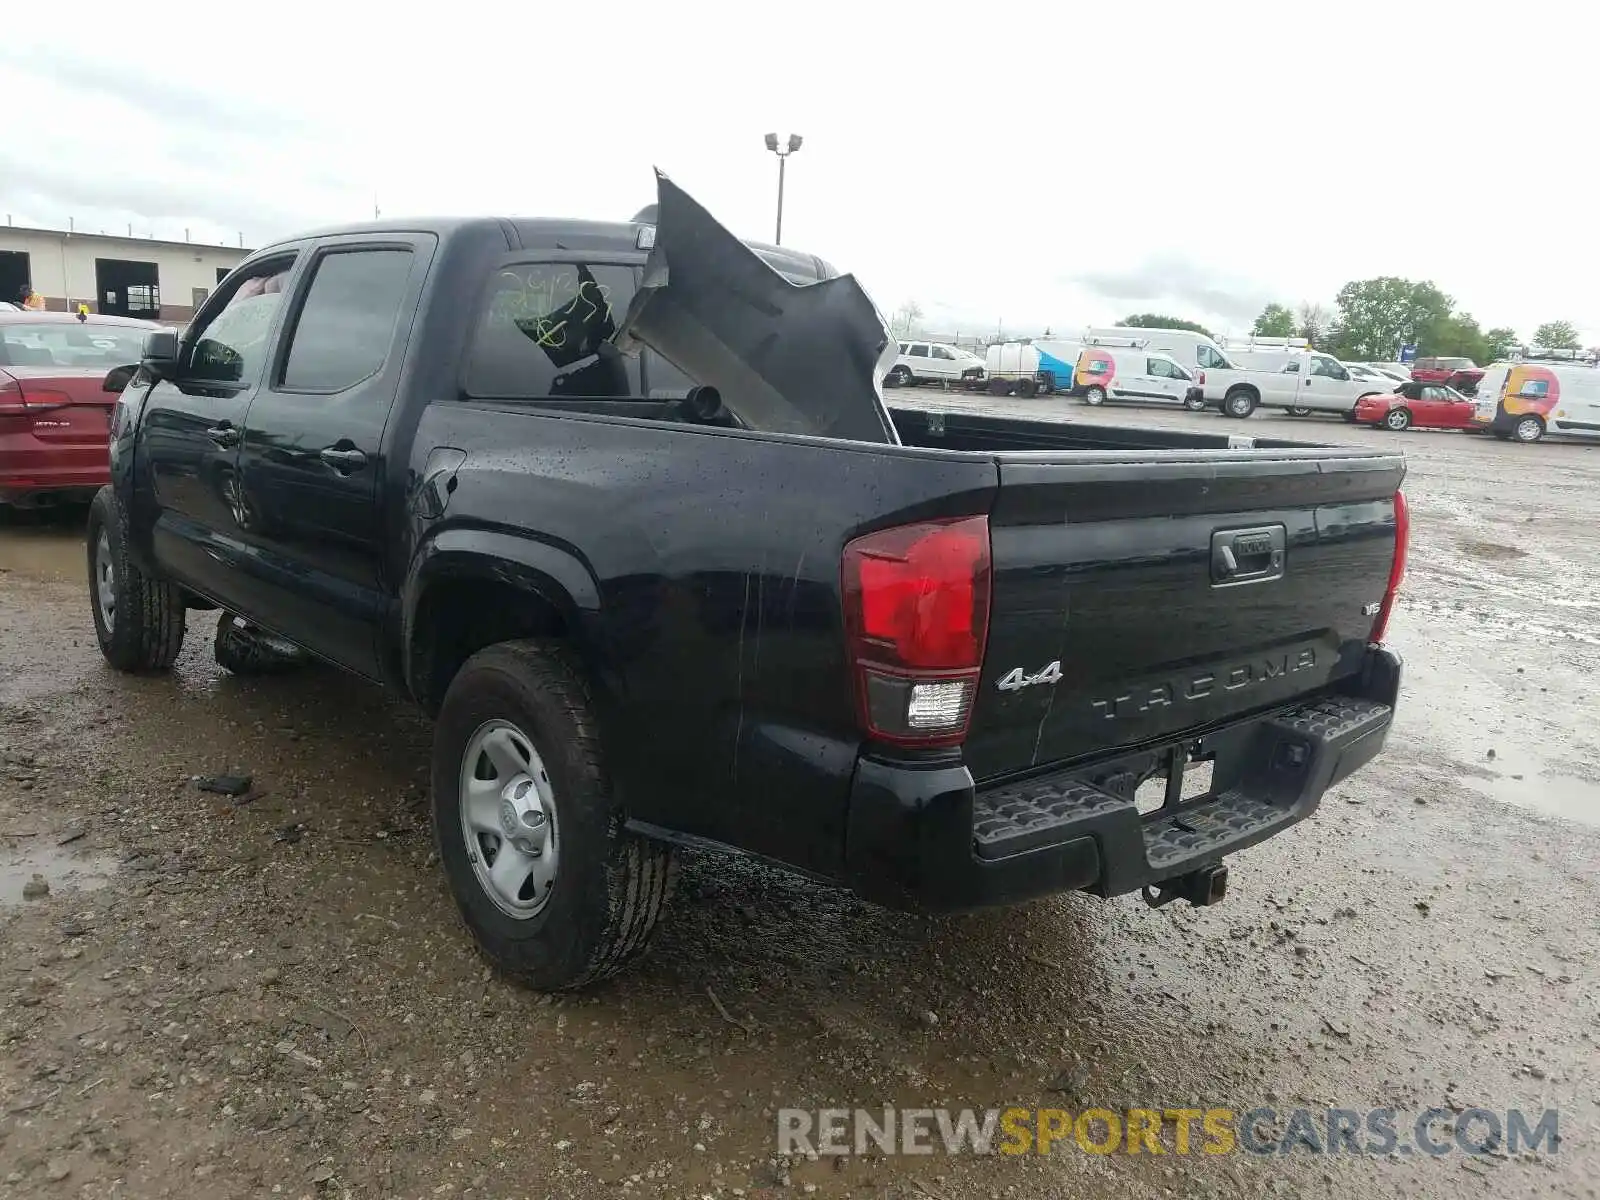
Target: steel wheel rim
{"points": [[508, 819], [105, 580], [1239, 405], [1527, 430]]}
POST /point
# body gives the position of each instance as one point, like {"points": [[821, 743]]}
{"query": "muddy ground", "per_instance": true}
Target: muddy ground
{"points": [[273, 998]]}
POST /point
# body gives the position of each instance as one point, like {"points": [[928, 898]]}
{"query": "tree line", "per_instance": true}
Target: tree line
{"points": [[1375, 317]]}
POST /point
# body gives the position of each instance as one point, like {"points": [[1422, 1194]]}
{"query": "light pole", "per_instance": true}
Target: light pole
{"points": [[782, 151]]}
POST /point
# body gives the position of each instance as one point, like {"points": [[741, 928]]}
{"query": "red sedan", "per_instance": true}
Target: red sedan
{"points": [[54, 411], [1425, 405]]}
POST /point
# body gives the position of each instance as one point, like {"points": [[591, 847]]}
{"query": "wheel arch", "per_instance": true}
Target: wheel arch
{"points": [[469, 589]]}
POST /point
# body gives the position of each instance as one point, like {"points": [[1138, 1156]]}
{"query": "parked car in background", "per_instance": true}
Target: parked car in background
{"points": [[1372, 375], [1423, 405], [1524, 401], [1460, 373], [54, 409], [933, 362], [1105, 373], [1394, 370], [1196, 351], [1292, 380]]}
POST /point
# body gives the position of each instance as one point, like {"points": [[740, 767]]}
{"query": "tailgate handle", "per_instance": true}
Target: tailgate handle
{"points": [[1247, 555]]}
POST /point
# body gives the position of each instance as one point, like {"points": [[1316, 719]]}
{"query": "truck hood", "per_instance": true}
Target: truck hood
{"points": [[786, 357]]}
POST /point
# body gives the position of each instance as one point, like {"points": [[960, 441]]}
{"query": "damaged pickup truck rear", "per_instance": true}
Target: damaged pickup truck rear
{"points": [[622, 508]]}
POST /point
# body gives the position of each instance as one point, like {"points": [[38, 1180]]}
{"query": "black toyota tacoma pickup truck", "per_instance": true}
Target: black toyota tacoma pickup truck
{"points": [[622, 508]]}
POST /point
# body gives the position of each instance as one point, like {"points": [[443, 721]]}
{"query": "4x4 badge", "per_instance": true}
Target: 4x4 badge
{"points": [[1016, 679]]}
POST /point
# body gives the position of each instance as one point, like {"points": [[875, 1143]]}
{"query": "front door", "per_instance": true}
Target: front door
{"points": [[191, 430], [312, 464]]}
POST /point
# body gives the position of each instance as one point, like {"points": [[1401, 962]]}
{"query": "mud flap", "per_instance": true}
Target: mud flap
{"points": [[786, 357]]}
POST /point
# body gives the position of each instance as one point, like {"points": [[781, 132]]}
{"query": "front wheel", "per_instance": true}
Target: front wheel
{"points": [[1195, 403], [1299, 410], [551, 885], [1398, 420], [138, 619], [1528, 429], [1094, 395]]}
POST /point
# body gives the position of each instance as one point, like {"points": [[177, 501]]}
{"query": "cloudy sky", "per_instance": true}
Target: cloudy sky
{"points": [[1025, 164]]}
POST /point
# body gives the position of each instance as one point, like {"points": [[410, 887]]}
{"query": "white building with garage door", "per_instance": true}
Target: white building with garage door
{"points": [[128, 276]]}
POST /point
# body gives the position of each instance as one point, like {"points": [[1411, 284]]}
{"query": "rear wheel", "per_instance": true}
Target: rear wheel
{"points": [[1528, 429], [1299, 410], [1239, 403], [1195, 403], [1094, 395], [1027, 389], [900, 377], [998, 387], [552, 886], [138, 619], [1398, 420]]}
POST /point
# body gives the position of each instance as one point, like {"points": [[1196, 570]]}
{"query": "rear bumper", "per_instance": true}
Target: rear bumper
{"points": [[926, 838], [52, 483]]}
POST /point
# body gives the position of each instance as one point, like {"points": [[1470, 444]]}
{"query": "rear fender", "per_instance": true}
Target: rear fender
{"points": [[552, 573]]}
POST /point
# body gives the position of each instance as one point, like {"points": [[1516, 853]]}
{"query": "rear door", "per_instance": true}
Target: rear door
{"points": [[311, 462], [1112, 591]]}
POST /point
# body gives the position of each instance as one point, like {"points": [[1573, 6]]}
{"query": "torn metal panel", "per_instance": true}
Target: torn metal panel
{"points": [[786, 357]]}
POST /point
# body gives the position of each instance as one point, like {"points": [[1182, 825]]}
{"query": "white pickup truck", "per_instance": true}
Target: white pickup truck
{"points": [[1297, 381]]}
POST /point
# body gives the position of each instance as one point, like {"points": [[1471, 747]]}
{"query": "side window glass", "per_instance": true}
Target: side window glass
{"points": [[346, 325], [545, 330], [1292, 369], [919, 352], [902, 347], [232, 347], [941, 352]]}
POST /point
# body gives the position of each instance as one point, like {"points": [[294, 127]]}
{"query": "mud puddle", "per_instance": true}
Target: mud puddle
{"points": [[29, 863], [1525, 781], [46, 546]]}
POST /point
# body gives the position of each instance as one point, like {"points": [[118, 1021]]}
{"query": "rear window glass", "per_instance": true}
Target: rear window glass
{"points": [[544, 330], [69, 344]]}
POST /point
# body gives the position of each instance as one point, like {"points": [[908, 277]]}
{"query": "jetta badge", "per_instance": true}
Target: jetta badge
{"points": [[1016, 679]]}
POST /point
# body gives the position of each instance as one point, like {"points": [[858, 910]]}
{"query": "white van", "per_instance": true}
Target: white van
{"points": [[1121, 373], [1526, 400], [1195, 351], [933, 362]]}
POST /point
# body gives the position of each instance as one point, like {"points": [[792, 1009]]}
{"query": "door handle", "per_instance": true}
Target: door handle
{"points": [[224, 435], [343, 460]]}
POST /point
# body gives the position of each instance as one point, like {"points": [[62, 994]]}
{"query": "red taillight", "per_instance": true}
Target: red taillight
{"points": [[916, 602], [1397, 569], [1200, 377], [13, 412]]}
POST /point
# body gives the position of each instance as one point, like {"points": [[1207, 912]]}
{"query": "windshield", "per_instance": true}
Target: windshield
{"points": [[70, 344]]}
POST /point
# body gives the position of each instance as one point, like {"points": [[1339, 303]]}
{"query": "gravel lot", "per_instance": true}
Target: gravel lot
{"points": [[273, 997]]}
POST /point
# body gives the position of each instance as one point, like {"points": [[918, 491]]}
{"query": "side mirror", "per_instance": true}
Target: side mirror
{"points": [[160, 353], [117, 378]]}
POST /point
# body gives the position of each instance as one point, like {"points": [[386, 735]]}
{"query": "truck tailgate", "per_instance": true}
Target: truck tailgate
{"points": [[1141, 598]]}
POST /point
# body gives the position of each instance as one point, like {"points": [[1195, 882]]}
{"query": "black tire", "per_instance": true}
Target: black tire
{"points": [[240, 651], [1528, 429], [1397, 419], [998, 387], [1027, 389], [141, 629], [1239, 403], [1095, 395], [901, 376], [1298, 410], [1195, 403], [612, 885]]}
